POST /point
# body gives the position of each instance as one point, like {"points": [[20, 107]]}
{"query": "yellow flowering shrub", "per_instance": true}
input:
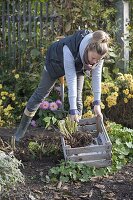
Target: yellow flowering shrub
{"points": [[113, 92], [88, 114], [8, 104], [87, 104], [120, 89]]}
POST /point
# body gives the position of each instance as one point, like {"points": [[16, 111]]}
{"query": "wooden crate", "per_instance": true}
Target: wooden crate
{"points": [[99, 154]]}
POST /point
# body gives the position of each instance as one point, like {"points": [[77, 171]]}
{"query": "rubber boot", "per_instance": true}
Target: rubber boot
{"points": [[25, 121]]}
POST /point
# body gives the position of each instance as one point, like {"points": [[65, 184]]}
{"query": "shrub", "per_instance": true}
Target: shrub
{"points": [[10, 105], [10, 174], [116, 94]]}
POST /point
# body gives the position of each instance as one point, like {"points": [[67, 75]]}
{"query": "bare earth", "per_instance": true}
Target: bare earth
{"points": [[115, 187]]}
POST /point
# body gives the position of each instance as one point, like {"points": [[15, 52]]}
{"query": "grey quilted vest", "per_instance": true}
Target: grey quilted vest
{"points": [[54, 56]]}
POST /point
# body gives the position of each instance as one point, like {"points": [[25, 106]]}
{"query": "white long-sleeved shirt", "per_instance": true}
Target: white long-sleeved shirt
{"points": [[71, 77]]}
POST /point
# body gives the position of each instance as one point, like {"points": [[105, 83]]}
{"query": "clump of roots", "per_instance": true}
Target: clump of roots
{"points": [[79, 139], [72, 135]]}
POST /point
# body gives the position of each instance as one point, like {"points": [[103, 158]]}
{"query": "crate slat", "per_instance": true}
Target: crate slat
{"points": [[105, 132], [97, 163], [90, 149], [103, 139], [64, 147], [87, 121], [87, 157], [87, 127]]}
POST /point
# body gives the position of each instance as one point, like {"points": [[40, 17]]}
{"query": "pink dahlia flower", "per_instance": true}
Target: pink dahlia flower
{"points": [[59, 103], [53, 106], [44, 105]]}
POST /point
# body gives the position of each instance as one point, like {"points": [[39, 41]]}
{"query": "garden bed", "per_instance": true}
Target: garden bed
{"points": [[119, 186]]}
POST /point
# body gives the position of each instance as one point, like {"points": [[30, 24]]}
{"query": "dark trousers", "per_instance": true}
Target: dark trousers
{"points": [[45, 86]]}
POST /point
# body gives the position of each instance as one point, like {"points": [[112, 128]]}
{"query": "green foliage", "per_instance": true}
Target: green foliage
{"points": [[73, 15], [13, 92], [38, 150], [10, 174], [122, 140], [67, 126], [48, 118], [70, 171], [122, 153]]}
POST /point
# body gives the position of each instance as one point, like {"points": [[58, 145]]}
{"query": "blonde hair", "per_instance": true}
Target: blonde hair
{"points": [[99, 43]]}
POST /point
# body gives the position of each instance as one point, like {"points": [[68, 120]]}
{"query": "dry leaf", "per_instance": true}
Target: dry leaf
{"points": [[120, 181], [67, 27], [91, 193], [59, 185], [83, 196], [56, 196], [100, 186], [65, 188], [32, 197]]}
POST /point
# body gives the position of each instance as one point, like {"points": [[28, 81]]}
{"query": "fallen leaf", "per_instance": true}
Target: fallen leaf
{"points": [[120, 181], [37, 191], [103, 191], [91, 193], [100, 186], [83, 196], [32, 197], [56, 196], [41, 173], [109, 196], [96, 178], [59, 185], [65, 188], [68, 27]]}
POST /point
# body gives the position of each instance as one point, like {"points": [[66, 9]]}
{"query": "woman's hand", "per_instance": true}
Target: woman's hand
{"points": [[74, 115], [74, 118], [97, 110]]}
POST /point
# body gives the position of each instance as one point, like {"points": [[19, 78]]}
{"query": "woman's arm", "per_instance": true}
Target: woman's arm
{"points": [[96, 87], [71, 79], [96, 82]]}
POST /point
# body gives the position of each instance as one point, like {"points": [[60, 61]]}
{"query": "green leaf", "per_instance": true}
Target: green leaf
{"points": [[116, 70], [47, 119], [64, 178], [54, 120], [129, 144], [54, 170], [123, 151], [23, 35], [74, 176], [34, 53], [121, 156], [99, 172], [118, 141], [76, 9], [112, 54]]}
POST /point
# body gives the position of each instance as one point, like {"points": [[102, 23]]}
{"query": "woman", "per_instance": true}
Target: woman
{"points": [[73, 56]]}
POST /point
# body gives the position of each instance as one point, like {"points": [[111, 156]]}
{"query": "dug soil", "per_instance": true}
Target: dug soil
{"points": [[115, 187], [79, 139]]}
